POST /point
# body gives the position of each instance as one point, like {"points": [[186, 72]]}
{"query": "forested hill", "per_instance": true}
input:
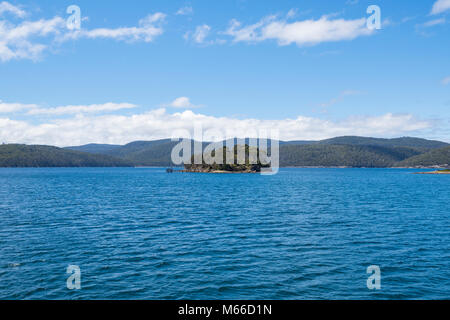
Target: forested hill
{"points": [[350, 151], [409, 142], [366, 152], [17, 155], [95, 148], [431, 158], [343, 155], [336, 152], [141, 153]]}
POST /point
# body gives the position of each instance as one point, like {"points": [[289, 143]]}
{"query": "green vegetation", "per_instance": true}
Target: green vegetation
{"points": [[239, 165], [437, 157], [95, 148], [341, 151], [143, 153], [15, 155], [409, 142], [342, 155]]}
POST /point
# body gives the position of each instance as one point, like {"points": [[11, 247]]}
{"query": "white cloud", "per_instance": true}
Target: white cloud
{"points": [[8, 7], [181, 102], [407, 19], [292, 13], [248, 33], [93, 108], [158, 124], [15, 40], [440, 6], [15, 107], [152, 18], [31, 28], [149, 28], [201, 32], [446, 81], [185, 11], [306, 32], [434, 22], [29, 39], [338, 99]]}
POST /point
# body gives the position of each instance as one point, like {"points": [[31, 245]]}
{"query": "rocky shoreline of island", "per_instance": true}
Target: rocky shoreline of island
{"points": [[232, 168], [218, 171], [446, 171]]}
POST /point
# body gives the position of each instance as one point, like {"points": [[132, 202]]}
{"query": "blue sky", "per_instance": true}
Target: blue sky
{"points": [[310, 68]]}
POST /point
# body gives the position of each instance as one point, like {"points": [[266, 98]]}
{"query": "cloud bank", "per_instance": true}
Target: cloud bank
{"points": [[86, 127], [93, 108], [15, 107]]}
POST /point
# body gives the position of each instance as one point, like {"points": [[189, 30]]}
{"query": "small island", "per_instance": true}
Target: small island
{"points": [[446, 171], [243, 166]]}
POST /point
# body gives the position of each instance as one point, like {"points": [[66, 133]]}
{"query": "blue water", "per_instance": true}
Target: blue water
{"points": [[301, 234]]}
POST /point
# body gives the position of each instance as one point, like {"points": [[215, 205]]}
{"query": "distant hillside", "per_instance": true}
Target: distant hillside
{"points": [[396, 142], [437, 157], [342, 155], [143, 153], [140, 153], [138, 146], [298, 142], [95, 148], [155, 153], [349, 151], [15, 155]]}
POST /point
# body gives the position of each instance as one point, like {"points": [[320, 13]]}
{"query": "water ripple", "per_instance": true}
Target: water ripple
{"points": [[302, 234]]}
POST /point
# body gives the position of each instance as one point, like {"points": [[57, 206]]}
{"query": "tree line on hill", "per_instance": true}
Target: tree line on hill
{"points": [[336, 152]]}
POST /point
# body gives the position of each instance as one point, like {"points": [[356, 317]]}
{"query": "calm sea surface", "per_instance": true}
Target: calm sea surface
{"points": [[146, 234]]}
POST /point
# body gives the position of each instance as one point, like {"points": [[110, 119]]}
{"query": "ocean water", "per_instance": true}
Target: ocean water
{"points": [[301, 234]]}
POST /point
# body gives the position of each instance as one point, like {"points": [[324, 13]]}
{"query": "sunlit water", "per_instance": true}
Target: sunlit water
{"points": [[146, 234]]}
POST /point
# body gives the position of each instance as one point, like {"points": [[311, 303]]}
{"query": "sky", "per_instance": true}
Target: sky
{"points": [[143, 70]]}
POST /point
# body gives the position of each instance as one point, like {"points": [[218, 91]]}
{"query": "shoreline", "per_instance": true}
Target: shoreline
{"points": [[434, 172], [215, 171], [287, 167]]}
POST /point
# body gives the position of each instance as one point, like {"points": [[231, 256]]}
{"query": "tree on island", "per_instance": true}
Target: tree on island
{"points": [[240, 158]]}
